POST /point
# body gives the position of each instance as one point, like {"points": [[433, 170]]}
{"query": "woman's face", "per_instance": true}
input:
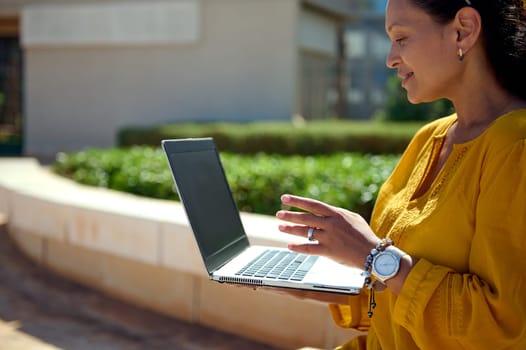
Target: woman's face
{"points": [[423, 51]]}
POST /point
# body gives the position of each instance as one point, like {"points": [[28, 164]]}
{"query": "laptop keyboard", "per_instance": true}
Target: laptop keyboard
{"points": [[279, 264]]}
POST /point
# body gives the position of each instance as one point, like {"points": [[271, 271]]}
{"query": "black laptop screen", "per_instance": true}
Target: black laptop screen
{"points": [[209, 204]]}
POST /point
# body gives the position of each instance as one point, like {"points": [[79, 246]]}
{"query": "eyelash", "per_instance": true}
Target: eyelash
{"points": [[400, 41]]}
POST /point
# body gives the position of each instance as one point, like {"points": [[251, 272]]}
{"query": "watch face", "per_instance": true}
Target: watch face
{"points": [[385, 264]]}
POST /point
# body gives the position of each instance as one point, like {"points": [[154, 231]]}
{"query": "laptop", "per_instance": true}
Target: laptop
{"points": [[224, 246]]}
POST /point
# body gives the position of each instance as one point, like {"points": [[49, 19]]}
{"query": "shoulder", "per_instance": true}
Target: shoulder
{"points": [[513, 122], [507, 131]]}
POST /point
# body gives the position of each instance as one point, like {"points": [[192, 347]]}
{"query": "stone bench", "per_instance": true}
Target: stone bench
{"points": [[142, 251]]}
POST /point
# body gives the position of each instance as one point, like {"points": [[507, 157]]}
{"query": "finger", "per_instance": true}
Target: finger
{"points": [[306, 248], [300, 231], [305, 219], [308, 204]]}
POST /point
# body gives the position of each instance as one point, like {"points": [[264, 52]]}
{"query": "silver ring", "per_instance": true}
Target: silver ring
{"points": [[310, 232]]}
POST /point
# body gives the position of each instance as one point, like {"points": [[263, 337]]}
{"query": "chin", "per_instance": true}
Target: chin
{"points": [[413, 99], [416, 99]]}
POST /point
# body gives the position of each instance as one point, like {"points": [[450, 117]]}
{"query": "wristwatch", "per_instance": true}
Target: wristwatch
{"points": [[386, 264]]}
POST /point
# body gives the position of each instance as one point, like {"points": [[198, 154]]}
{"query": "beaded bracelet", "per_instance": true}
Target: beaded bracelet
{"points": [[368, 282]]}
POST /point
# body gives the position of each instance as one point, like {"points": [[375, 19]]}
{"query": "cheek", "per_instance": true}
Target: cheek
{"points": [[427, 52], [435, 81]]}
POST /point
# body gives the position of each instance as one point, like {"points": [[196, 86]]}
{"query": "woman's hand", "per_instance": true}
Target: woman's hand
{"points": [[325, 297], [339, 234], [331, 298]]}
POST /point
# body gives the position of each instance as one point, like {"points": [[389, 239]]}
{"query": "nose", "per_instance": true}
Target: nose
{"points": [[393, 57]]}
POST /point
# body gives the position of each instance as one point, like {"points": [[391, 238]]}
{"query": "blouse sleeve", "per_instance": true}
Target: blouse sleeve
{"points": [[485, 308], [353, 314]]}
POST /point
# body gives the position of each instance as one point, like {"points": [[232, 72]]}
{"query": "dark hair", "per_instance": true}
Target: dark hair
{"points": [[504, 33]]}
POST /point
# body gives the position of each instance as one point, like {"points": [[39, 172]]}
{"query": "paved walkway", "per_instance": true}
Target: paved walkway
{"points": [[40, 311]]}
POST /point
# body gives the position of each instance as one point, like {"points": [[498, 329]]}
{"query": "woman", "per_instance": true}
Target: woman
{"points": [[454, 209]]}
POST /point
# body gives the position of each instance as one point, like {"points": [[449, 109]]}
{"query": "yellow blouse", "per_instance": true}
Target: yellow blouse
{"points": [[468, 290]]}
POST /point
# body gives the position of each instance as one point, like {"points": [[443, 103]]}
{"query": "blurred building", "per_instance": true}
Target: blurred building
{"points": [[367, 48], [10, 86], [87, 68]]}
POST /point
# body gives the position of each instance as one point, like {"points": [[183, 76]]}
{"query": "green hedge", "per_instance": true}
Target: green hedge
{"points": [[348, 180], [284, 138]]}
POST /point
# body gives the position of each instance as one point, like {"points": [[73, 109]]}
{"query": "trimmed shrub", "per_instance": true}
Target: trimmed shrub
{"points": [[284, 138], [348, 180]]}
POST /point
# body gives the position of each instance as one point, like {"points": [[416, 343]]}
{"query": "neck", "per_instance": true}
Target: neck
{"points": [[481, 108], [478, 109], [478, 97]]}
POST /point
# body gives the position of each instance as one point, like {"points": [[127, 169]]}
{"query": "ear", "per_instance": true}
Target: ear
{"points": [[468, 26]]}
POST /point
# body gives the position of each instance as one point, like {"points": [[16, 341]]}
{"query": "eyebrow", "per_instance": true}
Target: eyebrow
{"points": [[396, 24]]}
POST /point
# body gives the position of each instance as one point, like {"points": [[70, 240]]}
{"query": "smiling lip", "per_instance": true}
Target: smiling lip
{"points": [[405, 78]]}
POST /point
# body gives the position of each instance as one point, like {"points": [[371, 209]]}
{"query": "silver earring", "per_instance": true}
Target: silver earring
{"points": [[460, 54]]}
